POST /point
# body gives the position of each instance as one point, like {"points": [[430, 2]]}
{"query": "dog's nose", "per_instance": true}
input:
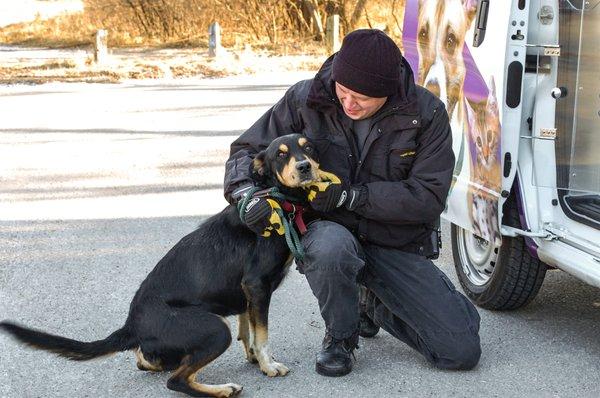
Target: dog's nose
{"points": [[303, 166], [434, 87]]}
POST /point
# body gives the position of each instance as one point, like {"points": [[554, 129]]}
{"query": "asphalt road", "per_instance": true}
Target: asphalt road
{"points": [[98, 182]]}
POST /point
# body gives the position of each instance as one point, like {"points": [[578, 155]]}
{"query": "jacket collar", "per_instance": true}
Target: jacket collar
{"points": [[322, 97]]}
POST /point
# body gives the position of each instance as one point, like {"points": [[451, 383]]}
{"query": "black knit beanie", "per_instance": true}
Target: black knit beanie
{"points": [[369, 63]]}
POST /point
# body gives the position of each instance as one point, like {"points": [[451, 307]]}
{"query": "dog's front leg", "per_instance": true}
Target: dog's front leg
{"points": [[259, 297]]}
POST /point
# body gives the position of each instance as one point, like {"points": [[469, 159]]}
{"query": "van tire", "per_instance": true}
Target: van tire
{"points": [[515, 277]]}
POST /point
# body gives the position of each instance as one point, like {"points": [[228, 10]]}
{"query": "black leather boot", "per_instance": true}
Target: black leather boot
{"points": [[367, 327], [335, 359]]}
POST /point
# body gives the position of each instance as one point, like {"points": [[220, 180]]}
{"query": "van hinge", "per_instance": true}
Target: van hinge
{"points": [[513, 232], [550, 50], [545, 134]]}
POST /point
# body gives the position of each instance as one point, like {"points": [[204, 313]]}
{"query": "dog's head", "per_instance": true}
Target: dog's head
{"points": [[442, 29], [290, 162]]}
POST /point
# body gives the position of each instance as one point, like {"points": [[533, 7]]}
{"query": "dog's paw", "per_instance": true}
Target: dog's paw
{"points": [[231, 390], [273, 369]]}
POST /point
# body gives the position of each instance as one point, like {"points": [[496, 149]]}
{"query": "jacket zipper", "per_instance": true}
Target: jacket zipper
{"points": [[379, 133], [353, 157]]}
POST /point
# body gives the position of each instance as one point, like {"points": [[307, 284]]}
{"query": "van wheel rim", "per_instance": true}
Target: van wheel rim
{"points": [[478, 257]]}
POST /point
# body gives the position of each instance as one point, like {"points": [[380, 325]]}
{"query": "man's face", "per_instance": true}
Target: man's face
{"points": [[357, 106]]}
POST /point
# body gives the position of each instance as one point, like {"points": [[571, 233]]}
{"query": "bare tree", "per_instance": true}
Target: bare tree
{"points": [[359, 9]]}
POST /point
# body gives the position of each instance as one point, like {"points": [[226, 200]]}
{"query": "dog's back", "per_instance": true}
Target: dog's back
{"points": [[205, 267]]}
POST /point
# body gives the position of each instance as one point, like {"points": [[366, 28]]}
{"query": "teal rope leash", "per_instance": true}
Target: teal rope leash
{"points": [[291, 236], [244, 202]]}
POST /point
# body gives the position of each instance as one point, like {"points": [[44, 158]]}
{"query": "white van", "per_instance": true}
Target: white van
{"points": [[521, 83]]}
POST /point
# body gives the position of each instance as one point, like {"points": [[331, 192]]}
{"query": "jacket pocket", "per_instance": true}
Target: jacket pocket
{"points": [[400, 161]]}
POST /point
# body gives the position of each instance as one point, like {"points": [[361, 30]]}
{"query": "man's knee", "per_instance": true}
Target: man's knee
{"points": [[461, 352], [330, 248]]}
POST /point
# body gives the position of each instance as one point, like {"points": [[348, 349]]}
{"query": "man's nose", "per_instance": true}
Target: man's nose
{"points": [[349, 103], [303, 166]]}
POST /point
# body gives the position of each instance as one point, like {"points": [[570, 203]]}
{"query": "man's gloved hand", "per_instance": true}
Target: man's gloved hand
{"points": [[331, 193], [327, 194], [261, 217]]}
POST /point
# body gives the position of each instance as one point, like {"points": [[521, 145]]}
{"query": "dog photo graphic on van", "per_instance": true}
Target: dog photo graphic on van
{"points": [[436, 36], [441, 32], [442, 29]]}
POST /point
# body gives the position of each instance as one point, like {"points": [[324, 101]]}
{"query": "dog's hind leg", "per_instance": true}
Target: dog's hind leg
{"points": [[246, 337], [185, 339], [203, 337], [145, 364], [258, 295]]}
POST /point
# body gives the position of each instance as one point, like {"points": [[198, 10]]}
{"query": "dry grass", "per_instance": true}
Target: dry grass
{"points": [[52, 72], [70, 30], [153, 64]]}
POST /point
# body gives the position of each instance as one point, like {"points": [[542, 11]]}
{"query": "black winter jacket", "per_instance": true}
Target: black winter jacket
{"points": [[405, 168]]}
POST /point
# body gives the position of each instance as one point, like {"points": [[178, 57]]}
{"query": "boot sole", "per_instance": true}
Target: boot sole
{"points": [[331, 373]]}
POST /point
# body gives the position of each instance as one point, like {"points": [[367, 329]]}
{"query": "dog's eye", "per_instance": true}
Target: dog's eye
{"points": [[479, 142], [451, 42], [308, 149], [282, 154], [424, 32]]}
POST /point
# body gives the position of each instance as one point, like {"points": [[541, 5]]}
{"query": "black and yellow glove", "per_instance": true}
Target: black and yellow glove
{"points": [[327, 194], [331, 193], [260, 215]]}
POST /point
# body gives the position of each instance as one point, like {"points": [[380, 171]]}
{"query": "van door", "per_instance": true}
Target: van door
{"points": [[578, 112], [565, 134]]}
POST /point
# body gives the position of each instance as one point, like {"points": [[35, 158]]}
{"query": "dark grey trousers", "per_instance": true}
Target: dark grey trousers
{"points": [[409, 296]]}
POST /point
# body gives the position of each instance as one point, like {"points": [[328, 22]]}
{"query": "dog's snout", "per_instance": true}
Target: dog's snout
{"points": [[303, 166], [434, 87]]}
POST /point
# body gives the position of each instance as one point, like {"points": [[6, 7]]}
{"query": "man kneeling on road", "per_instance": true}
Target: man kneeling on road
{"points": [[387, 143]]}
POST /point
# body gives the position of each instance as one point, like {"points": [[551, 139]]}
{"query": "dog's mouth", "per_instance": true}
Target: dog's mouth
{"points": [[299, 174], [307, 179], [299, 180]]}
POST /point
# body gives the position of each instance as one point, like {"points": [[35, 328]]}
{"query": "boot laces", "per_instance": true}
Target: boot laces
{"points": [[346, 344]]}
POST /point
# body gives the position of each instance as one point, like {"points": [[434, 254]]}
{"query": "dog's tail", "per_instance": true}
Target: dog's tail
{"points": [[120, 340]]}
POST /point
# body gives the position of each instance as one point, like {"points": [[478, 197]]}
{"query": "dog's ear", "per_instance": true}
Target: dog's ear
{"points": [[259, 170], [470, 7], [492, 88], [471, 120]]}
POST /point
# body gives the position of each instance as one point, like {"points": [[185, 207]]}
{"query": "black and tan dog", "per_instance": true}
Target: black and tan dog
{"points": [[177, 319]]}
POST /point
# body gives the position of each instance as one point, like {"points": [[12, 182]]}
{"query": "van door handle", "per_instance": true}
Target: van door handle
{"points": [[481, 22]]}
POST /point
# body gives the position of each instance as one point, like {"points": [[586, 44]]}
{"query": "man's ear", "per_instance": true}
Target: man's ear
{"points": [[258, 166]]}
